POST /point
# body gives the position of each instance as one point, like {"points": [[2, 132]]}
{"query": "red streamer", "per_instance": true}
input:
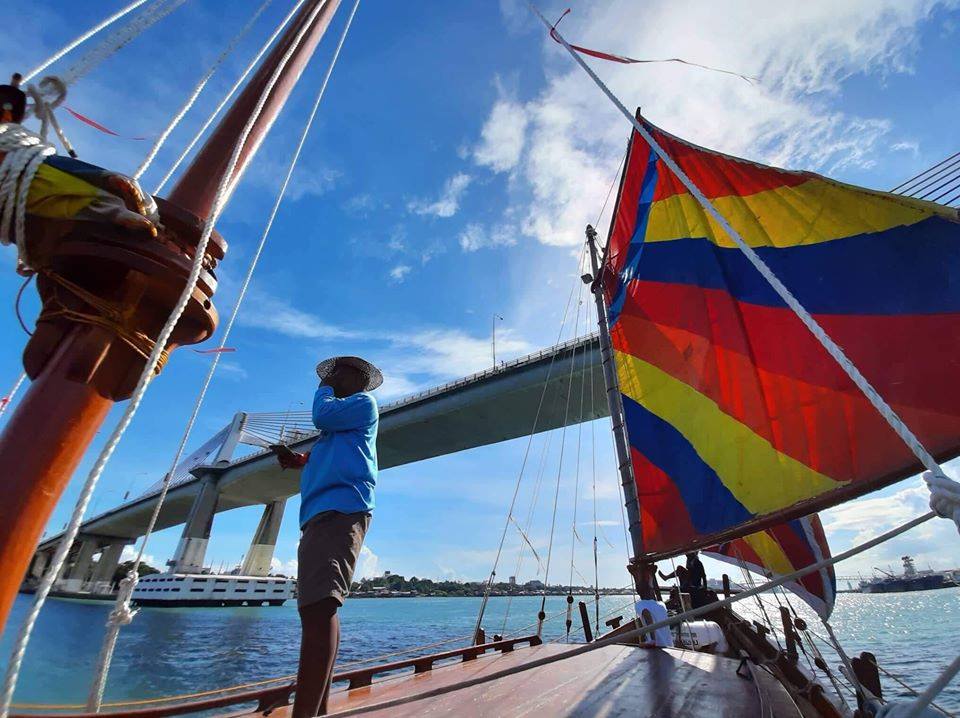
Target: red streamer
{"points": [[97, 126], [222, 350], [610, 57]]}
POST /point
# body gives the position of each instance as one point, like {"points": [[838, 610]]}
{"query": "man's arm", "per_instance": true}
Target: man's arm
{"points": [[333, 414]]}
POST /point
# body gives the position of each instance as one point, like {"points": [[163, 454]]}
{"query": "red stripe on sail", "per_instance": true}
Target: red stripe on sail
{"points": [[663, 513]]}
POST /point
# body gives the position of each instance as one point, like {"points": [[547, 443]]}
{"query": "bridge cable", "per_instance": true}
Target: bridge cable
{"points": [[201, 84], [123, 597], [523, 465], [146, 377]]}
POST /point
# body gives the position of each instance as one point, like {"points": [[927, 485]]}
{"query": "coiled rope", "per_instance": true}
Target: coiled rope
{"points": [[146, 376], [25, 152]]}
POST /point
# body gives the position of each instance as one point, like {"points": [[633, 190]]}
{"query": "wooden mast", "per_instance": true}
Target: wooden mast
{"points": [[621, 442], [80, 369]]}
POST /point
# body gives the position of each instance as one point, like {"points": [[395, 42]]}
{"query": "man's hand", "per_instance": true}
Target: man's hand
{"points": [[288, 458]]}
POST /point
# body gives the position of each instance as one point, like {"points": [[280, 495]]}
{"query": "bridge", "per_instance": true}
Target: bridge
{"points": [[530, 393]]}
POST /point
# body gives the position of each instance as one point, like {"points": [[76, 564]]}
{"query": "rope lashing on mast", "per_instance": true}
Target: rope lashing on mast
{"points": [[833, 349], [113, 625], [201, 84], [146, 376], [226, 98], [636, 633]]}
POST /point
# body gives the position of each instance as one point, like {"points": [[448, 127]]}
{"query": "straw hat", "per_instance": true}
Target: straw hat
{"points": [[373, 375]]}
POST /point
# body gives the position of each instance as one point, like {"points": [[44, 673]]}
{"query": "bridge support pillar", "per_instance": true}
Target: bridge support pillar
{"points": [[78, 574], [102, 579], [40, 562], [260, 554], [196, 532]]}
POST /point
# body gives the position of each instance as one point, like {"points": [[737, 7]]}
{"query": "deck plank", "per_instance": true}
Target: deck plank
{"points": [[612, 681]]}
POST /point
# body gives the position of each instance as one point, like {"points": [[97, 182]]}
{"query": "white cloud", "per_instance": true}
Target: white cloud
{"points": [[368, 564], [263, 311], [287, 568], [502, 137], [474, 236], [400, 272], [231, 370], [129, 553], [449, 201], [574, 138]]}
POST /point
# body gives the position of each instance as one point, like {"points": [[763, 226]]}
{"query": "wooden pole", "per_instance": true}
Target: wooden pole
{"points": [[79, 370], [621, 442]]}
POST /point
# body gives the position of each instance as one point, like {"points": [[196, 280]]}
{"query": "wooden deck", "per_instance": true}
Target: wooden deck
{"points": [[612, 681]]}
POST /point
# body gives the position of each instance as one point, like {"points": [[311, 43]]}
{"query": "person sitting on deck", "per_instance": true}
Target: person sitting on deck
{"points": [[336, 492]]}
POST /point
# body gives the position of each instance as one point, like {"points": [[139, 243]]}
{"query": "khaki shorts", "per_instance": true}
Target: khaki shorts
{"points": [[327, 556]]}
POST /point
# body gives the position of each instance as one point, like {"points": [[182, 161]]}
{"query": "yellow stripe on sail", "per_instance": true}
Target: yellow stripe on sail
{"points": [[759, 477], [770, 553], [56, 194], [816, 211]]}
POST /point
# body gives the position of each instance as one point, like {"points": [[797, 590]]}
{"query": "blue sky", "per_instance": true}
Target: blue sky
{"points": [[455, 160]]}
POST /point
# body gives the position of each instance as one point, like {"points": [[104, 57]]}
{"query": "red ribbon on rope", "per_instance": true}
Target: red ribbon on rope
{"points": [[610, 57], [97, 126], [222, 350]]}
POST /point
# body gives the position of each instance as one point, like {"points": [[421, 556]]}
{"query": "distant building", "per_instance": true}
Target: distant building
{"points": [[386, 573], [534, 585], [512, 581]]}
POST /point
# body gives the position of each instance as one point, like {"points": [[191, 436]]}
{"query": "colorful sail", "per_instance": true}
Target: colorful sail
{"points": [[782, 549], [737, 418]]}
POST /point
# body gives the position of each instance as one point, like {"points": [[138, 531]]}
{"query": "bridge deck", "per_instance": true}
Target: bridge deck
{"points": [[484, 409]]}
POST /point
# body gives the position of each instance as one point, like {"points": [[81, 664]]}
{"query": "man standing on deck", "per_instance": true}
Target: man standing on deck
{"points": [[336, 499]]}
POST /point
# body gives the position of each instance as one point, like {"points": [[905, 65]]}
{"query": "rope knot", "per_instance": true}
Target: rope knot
{"points": [[123, 613], [944, 495]]}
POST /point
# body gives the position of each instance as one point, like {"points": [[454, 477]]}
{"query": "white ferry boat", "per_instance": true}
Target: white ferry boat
{"points": [[171, 590]]}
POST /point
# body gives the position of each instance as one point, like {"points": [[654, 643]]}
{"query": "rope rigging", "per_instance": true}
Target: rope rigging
{"points": [[122, 610], [523, 465], [201, 84], [146, 376]]}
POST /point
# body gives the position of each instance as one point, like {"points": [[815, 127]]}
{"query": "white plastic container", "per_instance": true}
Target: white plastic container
{"points": [[702, 635]]}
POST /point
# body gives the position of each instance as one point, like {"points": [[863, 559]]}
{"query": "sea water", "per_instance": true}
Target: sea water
{"points": [[176, 651]]}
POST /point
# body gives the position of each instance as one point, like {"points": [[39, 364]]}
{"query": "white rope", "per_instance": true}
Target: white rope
{"points": [[103, 668], [197, 90], [665, 623], [878, 402], [25, 152], [223, 103], [523, 466], [223, 190], [82, 38], [944, 496], [119, 38], [8, 399], [923, 701]]}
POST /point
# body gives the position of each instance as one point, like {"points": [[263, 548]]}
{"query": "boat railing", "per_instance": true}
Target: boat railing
{"points": [[273, 696]]}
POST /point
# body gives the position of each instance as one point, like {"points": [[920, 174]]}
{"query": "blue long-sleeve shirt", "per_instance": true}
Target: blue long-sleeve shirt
{"points": [[341, 472]]}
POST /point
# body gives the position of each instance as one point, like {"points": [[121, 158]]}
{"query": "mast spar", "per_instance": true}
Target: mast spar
{"points": [[624, 464], [80, 369]]}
